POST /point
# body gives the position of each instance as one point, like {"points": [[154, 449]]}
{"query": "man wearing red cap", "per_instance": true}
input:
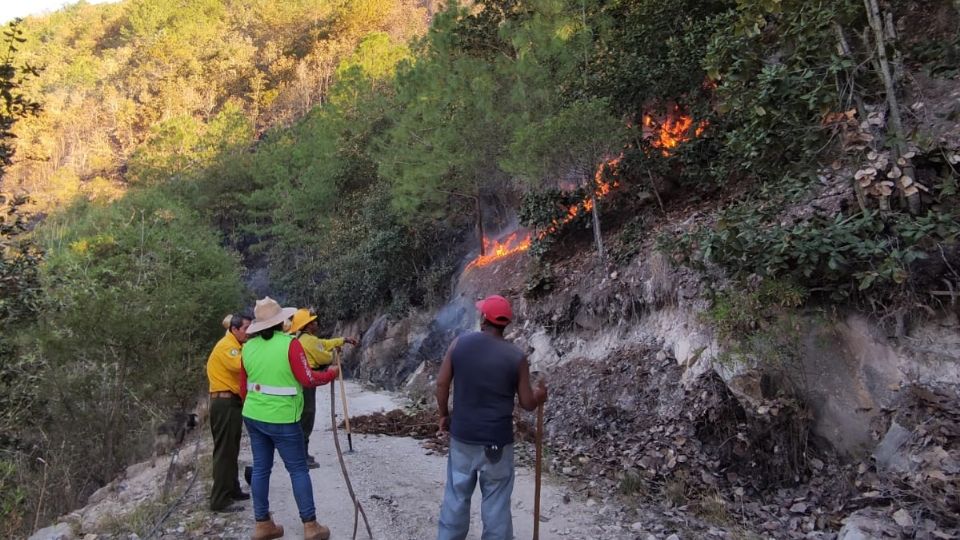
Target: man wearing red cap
{"points": [[487, 372]]}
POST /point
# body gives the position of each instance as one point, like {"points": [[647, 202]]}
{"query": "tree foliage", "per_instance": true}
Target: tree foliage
{"points": [[344, 150]]}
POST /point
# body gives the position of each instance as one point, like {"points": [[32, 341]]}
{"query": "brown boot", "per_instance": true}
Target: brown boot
{"points": [[267, 530], [315, 531]]}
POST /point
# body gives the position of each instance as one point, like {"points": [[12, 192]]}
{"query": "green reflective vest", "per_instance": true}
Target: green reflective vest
{"points": [[273, 394]]}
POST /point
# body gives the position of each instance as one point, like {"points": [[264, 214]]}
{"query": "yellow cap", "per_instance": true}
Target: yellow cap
{"points": [[300, 319]]}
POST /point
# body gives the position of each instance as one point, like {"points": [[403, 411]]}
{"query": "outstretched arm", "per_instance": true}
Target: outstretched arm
{"points": [[301, 369]]}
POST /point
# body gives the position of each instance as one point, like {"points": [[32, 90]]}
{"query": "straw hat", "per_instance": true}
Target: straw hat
{"points": [[267, 314]]}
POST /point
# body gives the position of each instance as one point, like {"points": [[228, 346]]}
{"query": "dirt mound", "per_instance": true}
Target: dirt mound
{"points": [[398, 423], [420, 424]]}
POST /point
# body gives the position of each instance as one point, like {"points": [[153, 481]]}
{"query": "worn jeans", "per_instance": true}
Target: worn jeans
{"points": [[466, 464], [287, 439]]}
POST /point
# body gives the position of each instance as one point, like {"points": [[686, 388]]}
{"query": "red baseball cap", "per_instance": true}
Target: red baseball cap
{"points": [[495, 309]]}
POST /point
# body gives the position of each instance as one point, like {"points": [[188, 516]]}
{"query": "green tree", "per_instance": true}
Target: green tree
{"points": [[573, 142], [20, 258], [14, 105], [133, 291]]}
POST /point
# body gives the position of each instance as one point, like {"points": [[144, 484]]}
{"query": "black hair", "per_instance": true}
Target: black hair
{"points": [[237, 320], [267, 333]]}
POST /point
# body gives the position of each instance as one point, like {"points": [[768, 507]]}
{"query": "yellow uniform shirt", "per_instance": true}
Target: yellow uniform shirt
{"points": [[223, 366], [319, 351]]}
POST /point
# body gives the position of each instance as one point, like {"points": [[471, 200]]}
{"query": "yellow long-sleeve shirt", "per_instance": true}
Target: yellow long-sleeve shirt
{"points": [[223, 366], [319, 351]]}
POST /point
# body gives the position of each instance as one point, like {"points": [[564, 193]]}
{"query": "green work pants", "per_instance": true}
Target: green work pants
{"points": [[226, 421]]}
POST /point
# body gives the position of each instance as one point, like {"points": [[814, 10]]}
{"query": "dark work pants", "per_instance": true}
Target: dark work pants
{"points": [[309, 416], [226, 423]]}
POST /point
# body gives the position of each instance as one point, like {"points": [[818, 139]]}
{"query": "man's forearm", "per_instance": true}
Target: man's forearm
{"points": [[443, 400]]}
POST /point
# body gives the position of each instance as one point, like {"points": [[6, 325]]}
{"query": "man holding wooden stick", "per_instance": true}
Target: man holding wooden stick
{"points": [[319, 353], [486, 372]]}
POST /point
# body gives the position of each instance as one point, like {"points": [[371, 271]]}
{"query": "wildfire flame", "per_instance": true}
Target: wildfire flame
{"points": [[666, 135], [500, 249], [675, 129], [515, 243]]}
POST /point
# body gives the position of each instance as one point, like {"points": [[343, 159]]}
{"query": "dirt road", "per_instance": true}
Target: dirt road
{"points": [[400, 486]]}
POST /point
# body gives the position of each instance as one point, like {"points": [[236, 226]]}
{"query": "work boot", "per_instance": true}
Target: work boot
{"points": [[267, 530], [315, 531]]}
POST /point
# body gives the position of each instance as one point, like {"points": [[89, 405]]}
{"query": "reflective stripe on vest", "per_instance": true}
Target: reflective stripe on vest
{"points": [[272, 390]]}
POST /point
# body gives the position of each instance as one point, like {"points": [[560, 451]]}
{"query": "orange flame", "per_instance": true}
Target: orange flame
{"points": [[499, 249], [668, 134], [672, 131]]}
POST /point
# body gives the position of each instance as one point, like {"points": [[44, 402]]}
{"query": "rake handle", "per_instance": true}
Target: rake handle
{"points": [[539, 466], [343, 399]]}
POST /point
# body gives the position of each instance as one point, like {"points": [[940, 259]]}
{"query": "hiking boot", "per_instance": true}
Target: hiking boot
{"points": [[267, 530], [312, 463], [240, 495], [315, 531]]}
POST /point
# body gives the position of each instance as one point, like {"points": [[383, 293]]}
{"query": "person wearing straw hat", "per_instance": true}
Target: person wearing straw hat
{"points": [[319, 356], [487, 372], [226, 422], [273, 376]]}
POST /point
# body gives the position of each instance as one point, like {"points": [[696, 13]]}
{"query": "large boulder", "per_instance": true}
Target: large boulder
{"points": [[60, 531]]}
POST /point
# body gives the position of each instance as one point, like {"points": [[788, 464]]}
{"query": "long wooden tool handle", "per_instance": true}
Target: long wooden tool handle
{"points": [[539, 466], [343, 394]]}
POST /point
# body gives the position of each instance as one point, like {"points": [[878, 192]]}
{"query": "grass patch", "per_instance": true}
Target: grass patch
{"points": [[675, 489], [714, 509], [139, 521], [631, 482]]}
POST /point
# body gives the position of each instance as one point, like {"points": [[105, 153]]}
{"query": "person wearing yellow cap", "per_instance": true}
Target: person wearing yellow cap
{"points": [[319, 356], [223, 373]]}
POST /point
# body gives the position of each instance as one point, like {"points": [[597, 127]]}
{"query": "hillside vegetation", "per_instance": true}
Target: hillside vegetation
{"points": [[354, 150]]}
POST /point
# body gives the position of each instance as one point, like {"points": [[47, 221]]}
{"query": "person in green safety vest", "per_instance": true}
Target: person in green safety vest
{"points": [[272, 378]]}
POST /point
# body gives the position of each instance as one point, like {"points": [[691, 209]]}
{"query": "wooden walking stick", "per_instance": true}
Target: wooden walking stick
{"points": [[357, 507], [343, 398], [539, 466]]}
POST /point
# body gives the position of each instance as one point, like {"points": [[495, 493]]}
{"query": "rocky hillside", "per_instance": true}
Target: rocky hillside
{"points": [[730, 230]]}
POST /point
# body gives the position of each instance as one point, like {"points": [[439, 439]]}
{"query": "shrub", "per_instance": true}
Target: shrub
{"points": [[841, 256], [134, 293]]}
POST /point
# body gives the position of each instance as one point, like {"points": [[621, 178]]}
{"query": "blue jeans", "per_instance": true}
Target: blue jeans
{"points": [[287, 439], [467, 463]]}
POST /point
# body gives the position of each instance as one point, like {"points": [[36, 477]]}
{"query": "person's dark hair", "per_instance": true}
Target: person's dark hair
{"points": [[267, 333], [237, 320]]}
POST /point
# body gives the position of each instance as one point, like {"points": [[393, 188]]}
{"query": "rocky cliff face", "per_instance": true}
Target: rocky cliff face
{"points": [[840, 377]]}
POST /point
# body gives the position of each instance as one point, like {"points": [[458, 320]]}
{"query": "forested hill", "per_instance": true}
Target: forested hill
{"points": [[350, 151]]}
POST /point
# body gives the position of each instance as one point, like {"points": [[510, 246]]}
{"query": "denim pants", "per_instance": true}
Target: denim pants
{"points": [[287, 439], [466, 464]]}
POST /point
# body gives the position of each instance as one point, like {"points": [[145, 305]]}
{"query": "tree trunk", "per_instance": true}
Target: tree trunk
{"points": [[844, 50], [483, 247], [900, 148], [597, 237]]}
